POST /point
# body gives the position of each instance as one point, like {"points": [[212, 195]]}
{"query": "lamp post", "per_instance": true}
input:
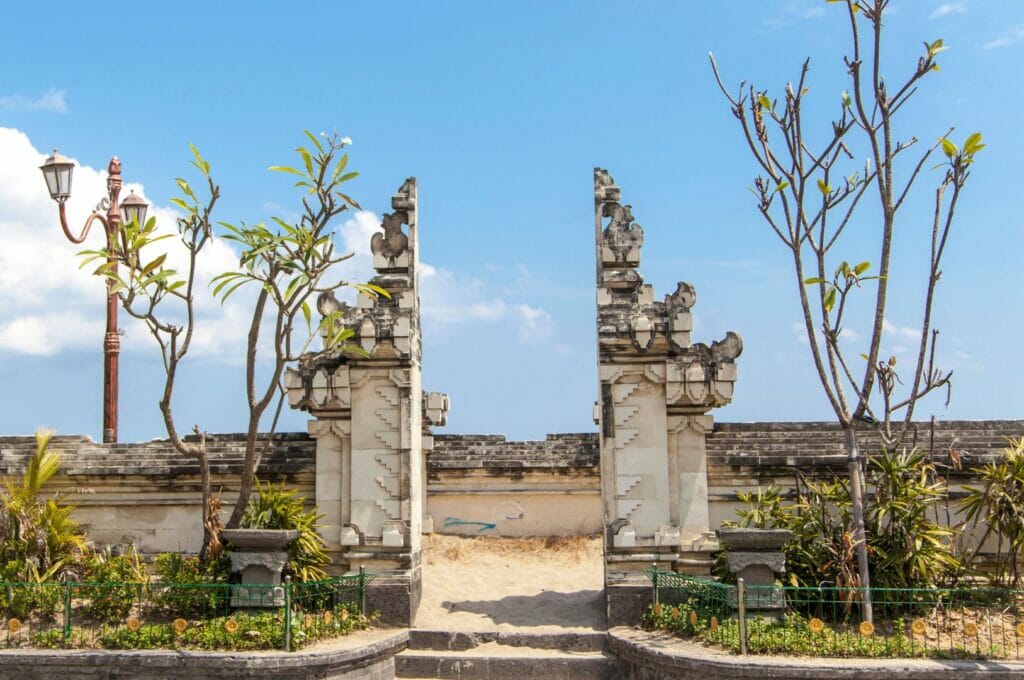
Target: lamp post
{"points": [[57, 171]]}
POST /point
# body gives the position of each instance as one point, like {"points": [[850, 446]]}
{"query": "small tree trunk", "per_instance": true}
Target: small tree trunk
{"points": [[857, 499]]}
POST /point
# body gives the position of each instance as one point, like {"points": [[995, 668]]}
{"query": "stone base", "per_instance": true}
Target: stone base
{"points": [[396, 595], [627, 589]]}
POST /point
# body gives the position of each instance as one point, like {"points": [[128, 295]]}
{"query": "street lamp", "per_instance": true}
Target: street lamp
{"points": [[57, 171]]}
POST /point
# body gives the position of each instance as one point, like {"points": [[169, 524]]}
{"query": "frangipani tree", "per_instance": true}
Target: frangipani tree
{"points": [[808, 191], [284, 263]]}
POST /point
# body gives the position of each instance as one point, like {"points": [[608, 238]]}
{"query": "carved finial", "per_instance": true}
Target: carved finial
{"points": [[727, 349], [684, 298], [393, 242], [114, 168]]}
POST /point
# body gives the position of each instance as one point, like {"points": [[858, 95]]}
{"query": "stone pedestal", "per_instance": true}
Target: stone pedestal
{"points": [[656, 388], [369, 423], [259, 558], [756, 556]]}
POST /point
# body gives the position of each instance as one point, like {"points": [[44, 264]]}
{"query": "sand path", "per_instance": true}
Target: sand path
{"points": [[506, 584]]}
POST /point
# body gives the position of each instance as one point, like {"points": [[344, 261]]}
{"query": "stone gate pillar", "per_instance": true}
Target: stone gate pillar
{"points": [[656, 390], [368, 423]]}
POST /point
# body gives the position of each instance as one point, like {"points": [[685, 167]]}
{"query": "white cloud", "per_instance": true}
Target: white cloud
{"points": [[47, 304], [1011, 37], [52, 100], [450, 299], [794, 13], [947, 8], [46, 334]]}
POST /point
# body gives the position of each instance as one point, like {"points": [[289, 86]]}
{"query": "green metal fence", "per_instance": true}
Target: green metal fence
{"points": [[968, 622], [208, 616]]}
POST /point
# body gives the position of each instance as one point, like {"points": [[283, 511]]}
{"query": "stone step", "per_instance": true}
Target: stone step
{"points": [[447, 640], [493, 661]]}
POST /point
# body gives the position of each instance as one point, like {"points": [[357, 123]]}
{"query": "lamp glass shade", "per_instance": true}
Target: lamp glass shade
{"points": [[57, 170], [133, 208]]}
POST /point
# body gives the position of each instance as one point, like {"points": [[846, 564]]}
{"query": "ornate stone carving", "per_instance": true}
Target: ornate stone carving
{"points": [[656, 386]]}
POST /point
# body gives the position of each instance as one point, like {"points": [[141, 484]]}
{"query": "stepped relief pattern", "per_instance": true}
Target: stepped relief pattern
{"points": [[651, 375], [376, 393]]}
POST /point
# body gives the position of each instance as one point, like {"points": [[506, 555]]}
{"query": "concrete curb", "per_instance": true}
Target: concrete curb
{"points": [[655, 656], [361, 656]]}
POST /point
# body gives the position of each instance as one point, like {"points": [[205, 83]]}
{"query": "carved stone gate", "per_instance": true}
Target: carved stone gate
{"points": [[372, 419]]}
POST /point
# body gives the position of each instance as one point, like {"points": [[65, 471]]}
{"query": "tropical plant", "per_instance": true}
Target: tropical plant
{"points": [[37, 533], [275, 507], [998, 505], [808, 193], [907, 547]]}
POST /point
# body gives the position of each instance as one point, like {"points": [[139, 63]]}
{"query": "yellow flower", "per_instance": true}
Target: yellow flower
{"points": [[133, 624], [230, 625], [693, 618], [327, 618], [180, 625], [970, 629], [1020, 629], [656, 608], [344, 615], [816, 625], [13, 625], [867, 629], [307, 620], [675, 613], [714, 623], [918, 626]]}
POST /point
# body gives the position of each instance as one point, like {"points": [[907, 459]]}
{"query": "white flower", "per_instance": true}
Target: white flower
{"points": [[347, 141]]}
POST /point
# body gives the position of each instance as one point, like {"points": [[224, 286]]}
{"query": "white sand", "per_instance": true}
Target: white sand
{"points": [[506, 584]]}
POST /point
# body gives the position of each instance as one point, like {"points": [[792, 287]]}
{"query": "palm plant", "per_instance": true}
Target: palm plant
{"points": [[999, 504], [38, 538], [275, 507]]}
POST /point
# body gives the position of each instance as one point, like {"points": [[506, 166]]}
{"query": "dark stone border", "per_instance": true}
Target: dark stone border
{"points": [[653, 656], [360, 656]]}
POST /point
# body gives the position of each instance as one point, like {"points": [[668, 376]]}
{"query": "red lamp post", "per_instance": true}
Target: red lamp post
{"points": [[57, 171]]}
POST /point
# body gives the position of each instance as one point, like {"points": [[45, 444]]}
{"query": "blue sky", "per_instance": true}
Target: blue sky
{"points": [[501, 110]]}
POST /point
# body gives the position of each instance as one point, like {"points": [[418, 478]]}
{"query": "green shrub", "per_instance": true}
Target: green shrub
{"points": [[275, 507], [113, 583], [907, 546], [20, 599], [186, 585]]}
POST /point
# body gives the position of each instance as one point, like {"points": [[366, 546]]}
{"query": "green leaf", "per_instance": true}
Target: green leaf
{"points": [[846, 100], [861, 268], [763, 100], [823, 188], [865, 357], [830, 299], [781, 185], [307, 159], [284, 168], [973, 144], [181, 204], [949, 148], [813, 280], [307, 314], [316, 142]]}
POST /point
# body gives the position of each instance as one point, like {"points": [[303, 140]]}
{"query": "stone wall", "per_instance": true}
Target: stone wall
{"points": [[149, 493]]}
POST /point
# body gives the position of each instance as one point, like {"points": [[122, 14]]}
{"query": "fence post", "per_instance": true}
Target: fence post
{"points": [[741, 606], [654, 580], [67, 614], [288, 613], [362, 589]]}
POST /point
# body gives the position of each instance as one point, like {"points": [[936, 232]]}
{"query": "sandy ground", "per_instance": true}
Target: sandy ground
{"points": [[504, 584]]}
